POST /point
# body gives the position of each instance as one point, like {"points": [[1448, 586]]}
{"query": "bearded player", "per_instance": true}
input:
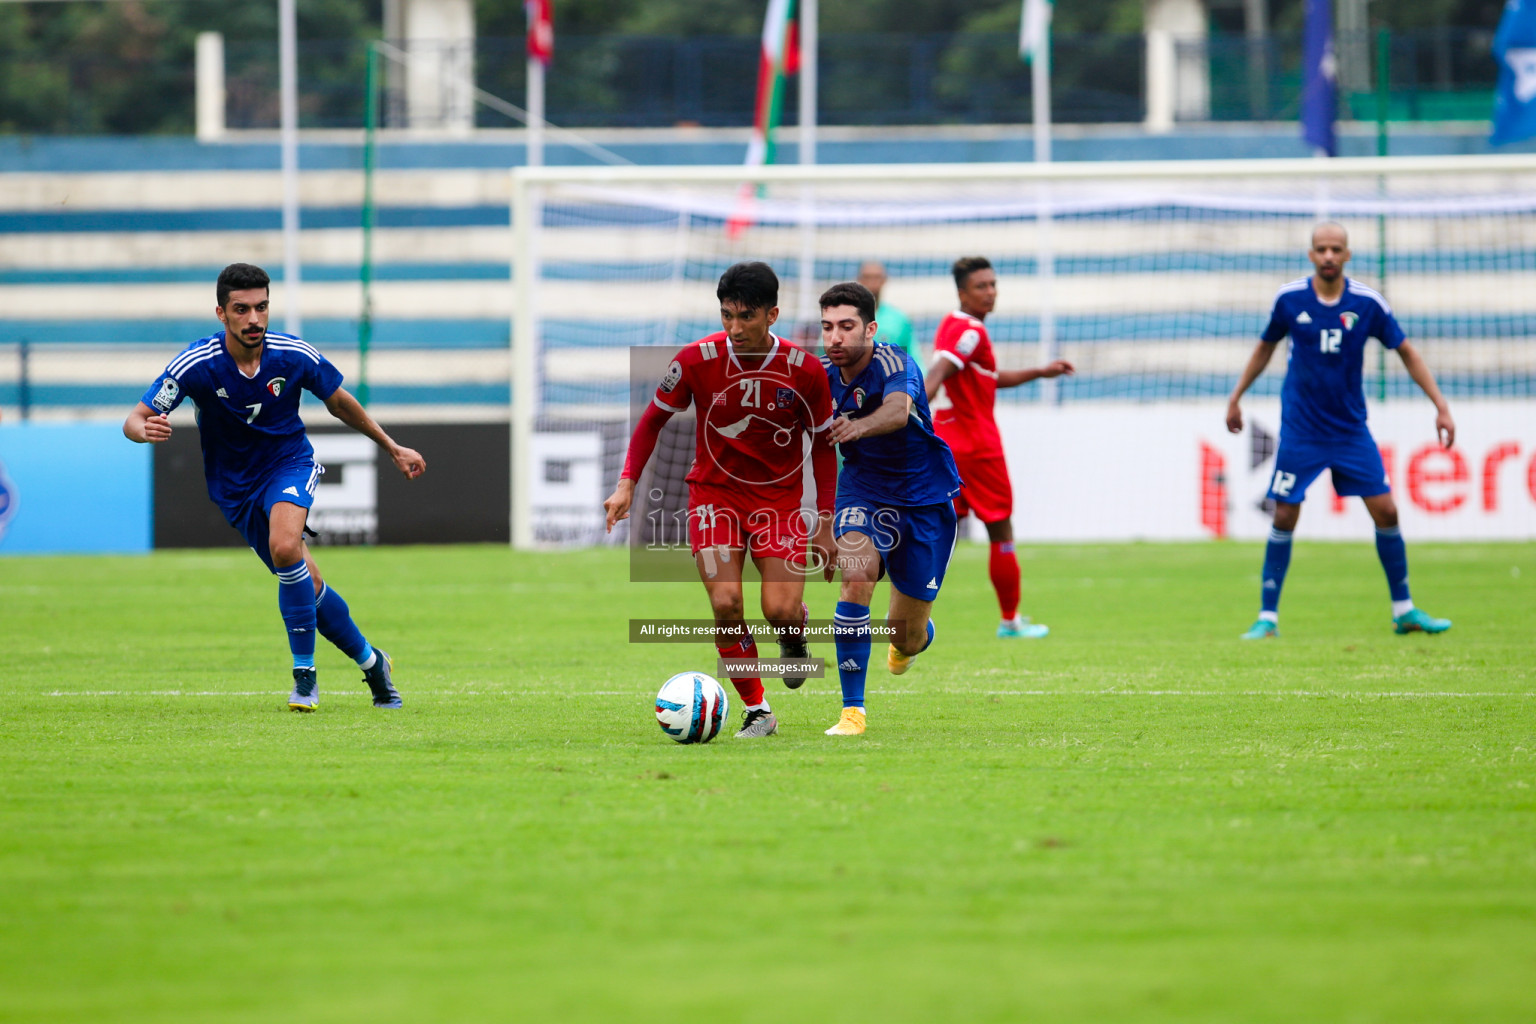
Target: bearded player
{"points": [[965, 367], [1330, 318], [246, 382], [894, 500], [757, 398]]}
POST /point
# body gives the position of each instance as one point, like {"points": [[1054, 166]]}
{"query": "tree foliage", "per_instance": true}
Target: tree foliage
{"points": [[87, 66]]}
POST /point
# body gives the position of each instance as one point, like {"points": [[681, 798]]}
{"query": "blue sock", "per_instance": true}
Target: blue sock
{"points": [[1394, 559], [335, 621], [296, 600], [1277, 559], [929, 642], [851, 629]]}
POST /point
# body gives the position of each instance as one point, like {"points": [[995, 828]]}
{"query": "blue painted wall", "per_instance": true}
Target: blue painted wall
{"points": [[1233, 140], [74, 488]]}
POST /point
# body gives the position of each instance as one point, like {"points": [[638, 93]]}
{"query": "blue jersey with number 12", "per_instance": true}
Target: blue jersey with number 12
{"points": [[1323, 398], [248, 425]]}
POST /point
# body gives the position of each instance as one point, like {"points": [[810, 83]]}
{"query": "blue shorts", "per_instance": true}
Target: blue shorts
{"points": [[293, 482], [915, 542], [1355, 461]]}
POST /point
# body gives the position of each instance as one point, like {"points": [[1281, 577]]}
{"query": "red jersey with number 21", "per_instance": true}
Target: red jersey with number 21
{"points": [[967, 426], [753, 415]]}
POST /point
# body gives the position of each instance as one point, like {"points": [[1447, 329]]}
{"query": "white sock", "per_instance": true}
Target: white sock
{"points": [[1401, 608], [759, 707], [373, 659], [1269, 617]]}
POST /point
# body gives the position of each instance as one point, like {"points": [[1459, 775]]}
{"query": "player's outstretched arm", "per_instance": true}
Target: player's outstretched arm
{"points": [[889, 418], [145, 425], [641, 444], [1263, 352], [1445, 427], [351, 412], [617, 505], [1013, 378]]}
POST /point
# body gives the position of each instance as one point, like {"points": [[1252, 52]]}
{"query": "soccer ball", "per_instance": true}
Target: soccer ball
{"points": [[691, 707]]}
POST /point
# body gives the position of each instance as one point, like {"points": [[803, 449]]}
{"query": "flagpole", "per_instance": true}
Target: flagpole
{"points": [[808, 80], [288, 113], [806, 314], [1040, 89], [535, 112]]}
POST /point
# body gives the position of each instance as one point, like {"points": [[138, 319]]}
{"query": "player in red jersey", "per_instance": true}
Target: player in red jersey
{"points": [[965, 367], [757, 398]]}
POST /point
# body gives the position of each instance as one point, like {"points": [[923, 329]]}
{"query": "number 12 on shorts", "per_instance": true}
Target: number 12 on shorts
{"points": [[1283, 483]]}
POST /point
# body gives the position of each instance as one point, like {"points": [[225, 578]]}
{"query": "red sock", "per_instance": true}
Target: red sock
{"points": [[750, 687], [1004, 568]]}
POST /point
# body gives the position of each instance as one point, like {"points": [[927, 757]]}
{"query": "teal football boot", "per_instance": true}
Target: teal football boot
{"points": [[1263, 629], [1019, 627], [1416, 620]]}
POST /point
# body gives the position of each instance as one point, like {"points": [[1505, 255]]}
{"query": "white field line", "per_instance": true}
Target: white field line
{"points": [[955, 691]]}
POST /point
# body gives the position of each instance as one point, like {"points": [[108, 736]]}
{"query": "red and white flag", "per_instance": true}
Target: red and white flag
{"points": [[779, 58], [541, 31]]}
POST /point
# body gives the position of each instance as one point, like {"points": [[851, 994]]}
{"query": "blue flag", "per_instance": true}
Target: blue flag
{"points": [[1320, 78], [1514, 102]]}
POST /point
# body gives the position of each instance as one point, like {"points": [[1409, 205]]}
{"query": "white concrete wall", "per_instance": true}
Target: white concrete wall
{"points": [[440, 36], [1178, 78]]}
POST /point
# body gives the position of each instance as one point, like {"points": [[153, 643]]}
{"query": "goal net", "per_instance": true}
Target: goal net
{"points": [[1154, 280]]}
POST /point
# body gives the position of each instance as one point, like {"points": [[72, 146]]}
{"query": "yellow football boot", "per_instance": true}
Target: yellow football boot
{"points": [[851, 724], [898, 662]]}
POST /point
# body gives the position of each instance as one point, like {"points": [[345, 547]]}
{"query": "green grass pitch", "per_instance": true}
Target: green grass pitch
{"points": [[1138, 819]]}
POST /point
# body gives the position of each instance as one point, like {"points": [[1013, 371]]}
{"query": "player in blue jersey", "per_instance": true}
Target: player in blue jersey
{"points": [[1322, 418], [260, 467], [895, 511]]}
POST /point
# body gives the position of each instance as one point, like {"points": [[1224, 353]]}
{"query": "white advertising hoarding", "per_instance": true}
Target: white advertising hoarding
{"points": [[1173, 472]]}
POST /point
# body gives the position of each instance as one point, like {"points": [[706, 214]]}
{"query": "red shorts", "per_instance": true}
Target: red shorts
{"points": [[724, 520], [985, 489]]}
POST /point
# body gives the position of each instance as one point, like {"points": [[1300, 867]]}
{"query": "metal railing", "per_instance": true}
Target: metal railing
{"points": [[866, 79]]}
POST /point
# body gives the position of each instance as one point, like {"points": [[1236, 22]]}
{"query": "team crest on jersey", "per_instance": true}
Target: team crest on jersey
{"points": [[674, 375], [276, 385], [858, 398], [1349, 320], [166, 396], [785, 397]]}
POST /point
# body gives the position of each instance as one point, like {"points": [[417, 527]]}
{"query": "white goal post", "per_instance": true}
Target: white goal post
{"points": [[1153, 277]]}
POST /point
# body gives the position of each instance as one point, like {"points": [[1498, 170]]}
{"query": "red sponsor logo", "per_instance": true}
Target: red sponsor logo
{"points": [[1213, 490], [1442, 481]]}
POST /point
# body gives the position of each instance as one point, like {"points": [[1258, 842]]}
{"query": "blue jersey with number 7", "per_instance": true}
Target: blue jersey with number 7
{"points": [[248, 425]]}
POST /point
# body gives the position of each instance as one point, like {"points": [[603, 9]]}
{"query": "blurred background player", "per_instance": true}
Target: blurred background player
{"points": [[758, 397], [895, 329], [965, 366], [895, 511], [246, 382], [1322, 418]]}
